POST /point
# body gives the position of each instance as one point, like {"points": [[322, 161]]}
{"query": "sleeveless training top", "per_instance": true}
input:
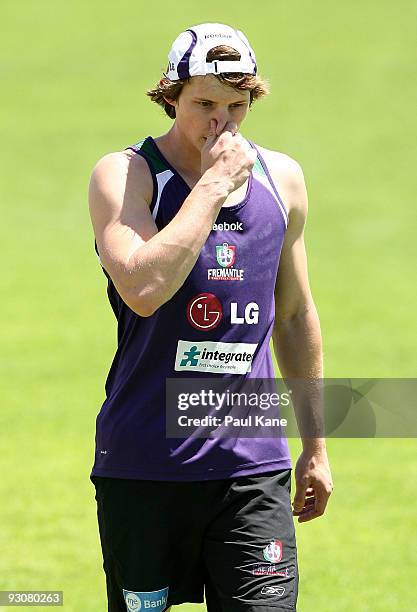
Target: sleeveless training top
{"points": [[218, 324]]}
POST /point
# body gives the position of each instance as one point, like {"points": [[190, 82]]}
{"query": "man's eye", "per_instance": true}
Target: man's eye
{"points": [[205, 103]]}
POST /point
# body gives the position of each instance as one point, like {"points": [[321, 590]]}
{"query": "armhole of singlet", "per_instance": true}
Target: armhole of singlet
{"points": [[137, 149], [98, 255], [99, 260], [264, 167]]}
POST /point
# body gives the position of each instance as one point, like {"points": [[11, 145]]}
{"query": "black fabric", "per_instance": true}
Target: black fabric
{"points": [[199, 537]]}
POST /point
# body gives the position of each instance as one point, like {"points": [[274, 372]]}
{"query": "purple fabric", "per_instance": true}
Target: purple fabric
{"points": [[130, 428], [183, 68]]}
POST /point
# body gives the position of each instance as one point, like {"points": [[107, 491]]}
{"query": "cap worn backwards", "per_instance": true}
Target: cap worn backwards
{"points": [[188, 54]]}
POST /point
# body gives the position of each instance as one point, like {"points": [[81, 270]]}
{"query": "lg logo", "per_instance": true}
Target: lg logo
{"points": [[204, 312], [251, 314]]}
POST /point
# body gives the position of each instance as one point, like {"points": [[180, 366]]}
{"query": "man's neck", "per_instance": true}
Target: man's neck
{"points": [[180, 153]]}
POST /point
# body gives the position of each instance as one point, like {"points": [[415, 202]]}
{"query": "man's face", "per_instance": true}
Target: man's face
{"points": [[205, 98]]}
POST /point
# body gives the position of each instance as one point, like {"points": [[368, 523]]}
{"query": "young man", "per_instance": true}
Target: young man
{"points": [[193, 229]]}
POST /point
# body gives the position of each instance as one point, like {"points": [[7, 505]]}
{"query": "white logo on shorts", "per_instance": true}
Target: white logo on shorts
{"points": [[273, 590], [133, 602]]}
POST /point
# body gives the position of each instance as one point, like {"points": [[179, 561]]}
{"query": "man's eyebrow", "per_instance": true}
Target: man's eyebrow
{"points": [[213, 102]]}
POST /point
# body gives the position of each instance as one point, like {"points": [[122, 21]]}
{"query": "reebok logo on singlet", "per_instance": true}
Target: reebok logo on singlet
{"points": [[217, 357], [237, 226]]}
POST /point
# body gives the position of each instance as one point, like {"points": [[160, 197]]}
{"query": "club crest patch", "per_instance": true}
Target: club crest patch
{"points": [[226, 255], [273, 552]]}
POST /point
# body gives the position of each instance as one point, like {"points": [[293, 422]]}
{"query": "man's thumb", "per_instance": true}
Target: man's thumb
{"points": [[300, 496]]}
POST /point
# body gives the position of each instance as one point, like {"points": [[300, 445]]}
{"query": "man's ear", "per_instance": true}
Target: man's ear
{"points": [[170, 102]]}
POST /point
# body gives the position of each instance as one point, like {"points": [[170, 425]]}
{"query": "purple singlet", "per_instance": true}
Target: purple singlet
{"points": [[218, 324]]}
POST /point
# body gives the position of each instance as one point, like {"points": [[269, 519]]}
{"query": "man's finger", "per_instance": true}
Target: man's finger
{"points": [[211, 136], [314, 510], [309, 516], [309, 503], [321, 500], [231, 126], [300, 495]]}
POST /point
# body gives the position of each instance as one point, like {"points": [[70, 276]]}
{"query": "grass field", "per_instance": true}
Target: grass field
{"points": [[342, 104]]}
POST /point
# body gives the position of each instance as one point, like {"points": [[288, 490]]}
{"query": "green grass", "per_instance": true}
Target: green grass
{"points": [[343, 104]]}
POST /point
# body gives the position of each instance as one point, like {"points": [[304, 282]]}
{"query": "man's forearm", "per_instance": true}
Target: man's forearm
{"points": [[298, 350], [163, 263]]}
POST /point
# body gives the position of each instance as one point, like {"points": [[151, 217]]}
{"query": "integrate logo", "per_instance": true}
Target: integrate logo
{"points": [[273, 552], [146, 600], [226, 257], [218, 357]]}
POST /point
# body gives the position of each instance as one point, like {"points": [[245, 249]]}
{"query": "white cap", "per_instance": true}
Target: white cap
{"points": [[188, 55]]}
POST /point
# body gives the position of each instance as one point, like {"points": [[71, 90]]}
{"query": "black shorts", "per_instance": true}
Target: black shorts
{"points": [[167, 543]]}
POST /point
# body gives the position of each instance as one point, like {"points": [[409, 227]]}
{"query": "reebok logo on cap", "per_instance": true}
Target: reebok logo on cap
{"points": [[218, 36]]}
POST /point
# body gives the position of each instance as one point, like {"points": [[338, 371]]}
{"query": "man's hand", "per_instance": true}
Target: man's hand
{"points": [[313, 484], [227, 155]]}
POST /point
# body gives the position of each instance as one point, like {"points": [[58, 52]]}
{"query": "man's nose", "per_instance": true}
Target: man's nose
{"points": [[222, 116]]}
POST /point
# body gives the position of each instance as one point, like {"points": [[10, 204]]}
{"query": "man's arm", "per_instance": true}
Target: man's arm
{"points": [[298, 349], [148, 267]]}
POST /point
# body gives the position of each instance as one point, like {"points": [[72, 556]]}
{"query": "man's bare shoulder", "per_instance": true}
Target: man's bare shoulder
{"points": [[288, 176], [122, 170], [283, 165]]}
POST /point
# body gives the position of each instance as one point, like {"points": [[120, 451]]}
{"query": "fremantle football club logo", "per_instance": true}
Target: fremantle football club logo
{"points": [[270, 570], [273, 552], [225, 255]]}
